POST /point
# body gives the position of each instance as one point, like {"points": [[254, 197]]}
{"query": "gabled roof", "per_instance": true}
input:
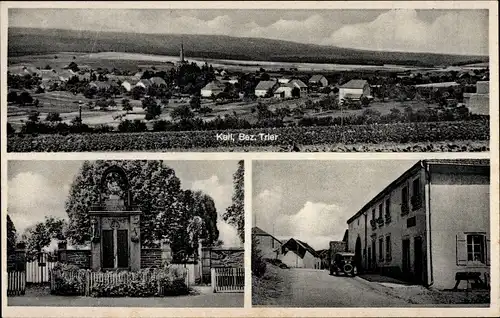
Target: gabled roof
{"points": [[157, 81], [299, 247], [259, 232], [419, 165], [298, 83], [214, 85], [354, 84], [265, 85], [316, 78]]}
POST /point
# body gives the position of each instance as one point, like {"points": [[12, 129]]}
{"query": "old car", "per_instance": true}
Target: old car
{"points": [[343, 263]]}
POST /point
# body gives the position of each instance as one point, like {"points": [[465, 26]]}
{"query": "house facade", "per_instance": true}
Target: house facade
{"points": [[298, 254], [213, 88], [479, 102], [354, 90], [303, 88], [428, 225], [265, 88], [269, 246], [318, 80], [284, 91]]}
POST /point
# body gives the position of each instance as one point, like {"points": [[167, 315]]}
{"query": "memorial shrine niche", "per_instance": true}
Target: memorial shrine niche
{"points": [[115, 225]]}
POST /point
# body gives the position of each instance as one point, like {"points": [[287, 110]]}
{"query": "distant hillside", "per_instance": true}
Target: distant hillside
{"points": [[26, 41]]}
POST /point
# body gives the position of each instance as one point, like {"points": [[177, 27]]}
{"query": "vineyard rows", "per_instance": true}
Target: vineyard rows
{"points": [[400, 133]]}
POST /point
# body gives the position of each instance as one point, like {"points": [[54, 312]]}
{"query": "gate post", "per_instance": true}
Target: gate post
{"points": [[214, 280], [62, 251]]}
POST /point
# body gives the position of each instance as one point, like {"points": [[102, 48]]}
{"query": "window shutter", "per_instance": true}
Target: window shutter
{"points": [[461, 249], [488, 247]]}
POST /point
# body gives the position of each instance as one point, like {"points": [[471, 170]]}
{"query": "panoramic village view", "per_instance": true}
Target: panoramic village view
{"points": [[193, 84], [125, 233], [416, 234]]}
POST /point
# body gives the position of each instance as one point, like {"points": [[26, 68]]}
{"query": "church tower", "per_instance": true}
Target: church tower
{"points": [[182, 53]]}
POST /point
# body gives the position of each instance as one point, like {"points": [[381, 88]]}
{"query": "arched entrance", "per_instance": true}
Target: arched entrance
{"points": [[357, 254]]}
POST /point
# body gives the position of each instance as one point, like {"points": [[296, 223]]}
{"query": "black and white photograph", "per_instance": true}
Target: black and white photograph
{"points": [[137, 233], [248, 80], [371, 233]]}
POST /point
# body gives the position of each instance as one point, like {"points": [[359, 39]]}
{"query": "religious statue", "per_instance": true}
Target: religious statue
{"points": [[134, 237], [94, 231], [114, 189]]}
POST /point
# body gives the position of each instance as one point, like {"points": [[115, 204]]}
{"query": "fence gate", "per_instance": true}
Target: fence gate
{"points": [[228, 279], [38, 268], [206, 264]]}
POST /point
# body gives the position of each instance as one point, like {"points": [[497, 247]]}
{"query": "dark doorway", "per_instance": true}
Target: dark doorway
{"points": [[374, 255], [418, 259], [122, 248], [108, 249], [369, 258], [406, 257], [357, 254]]}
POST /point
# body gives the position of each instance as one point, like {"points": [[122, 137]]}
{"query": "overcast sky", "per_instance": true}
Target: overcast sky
{"points": [[438, 31], [312, 200], [40, 188]]}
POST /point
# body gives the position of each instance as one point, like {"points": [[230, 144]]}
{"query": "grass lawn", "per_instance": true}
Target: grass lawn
{"points": [[267, 288]]}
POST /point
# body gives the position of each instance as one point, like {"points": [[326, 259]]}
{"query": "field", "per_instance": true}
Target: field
{"points": [[457, 136]]}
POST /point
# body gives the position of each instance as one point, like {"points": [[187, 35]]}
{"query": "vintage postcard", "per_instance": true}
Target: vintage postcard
{"points": [[249, 159]]}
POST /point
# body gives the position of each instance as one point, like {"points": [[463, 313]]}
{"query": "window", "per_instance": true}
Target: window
{"points": [[381, 249], [380, 209], [475, 248], [388, 248], [387, 206], [404, 200], [416, 187], [373, 215], [404, 195]]}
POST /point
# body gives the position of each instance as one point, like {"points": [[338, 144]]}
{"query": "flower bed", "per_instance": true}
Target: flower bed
{"points": [[66, 280]]}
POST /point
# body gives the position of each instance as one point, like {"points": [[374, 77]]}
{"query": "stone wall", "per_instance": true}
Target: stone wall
{"points": [[227, 257], [80, 258], [151, 257]]}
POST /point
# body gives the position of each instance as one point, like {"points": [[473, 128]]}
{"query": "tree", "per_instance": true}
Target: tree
{"points": [[182, 112], [12, 97], [11, 235], [10, 130], [25, 98], [365, 101], [53, 117], [73, 66], [34, 116], [41, 234], [195, 102], [156, 191], [153, 110], [126, 106], [235, 214]]}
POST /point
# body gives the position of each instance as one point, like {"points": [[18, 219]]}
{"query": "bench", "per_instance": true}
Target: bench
{"points": [[468, 276]]}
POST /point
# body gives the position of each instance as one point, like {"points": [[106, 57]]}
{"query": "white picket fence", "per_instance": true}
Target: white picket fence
{"points": [[16, 283], [228, 279]]}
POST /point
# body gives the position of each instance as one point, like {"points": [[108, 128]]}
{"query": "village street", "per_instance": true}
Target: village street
{"points": [[316, 288]]}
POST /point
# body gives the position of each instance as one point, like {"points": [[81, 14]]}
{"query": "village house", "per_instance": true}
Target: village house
{"points": [[430, 226], [265, 88], [298, 254], [128, 83], [22, 70], [479, 102], [318, 80], [156, 80], [354, 90], [284, 91], [65, 75], [144, 83], [284, 80], [100, 85], [213, 88], [269, 246], [303, 88]]}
